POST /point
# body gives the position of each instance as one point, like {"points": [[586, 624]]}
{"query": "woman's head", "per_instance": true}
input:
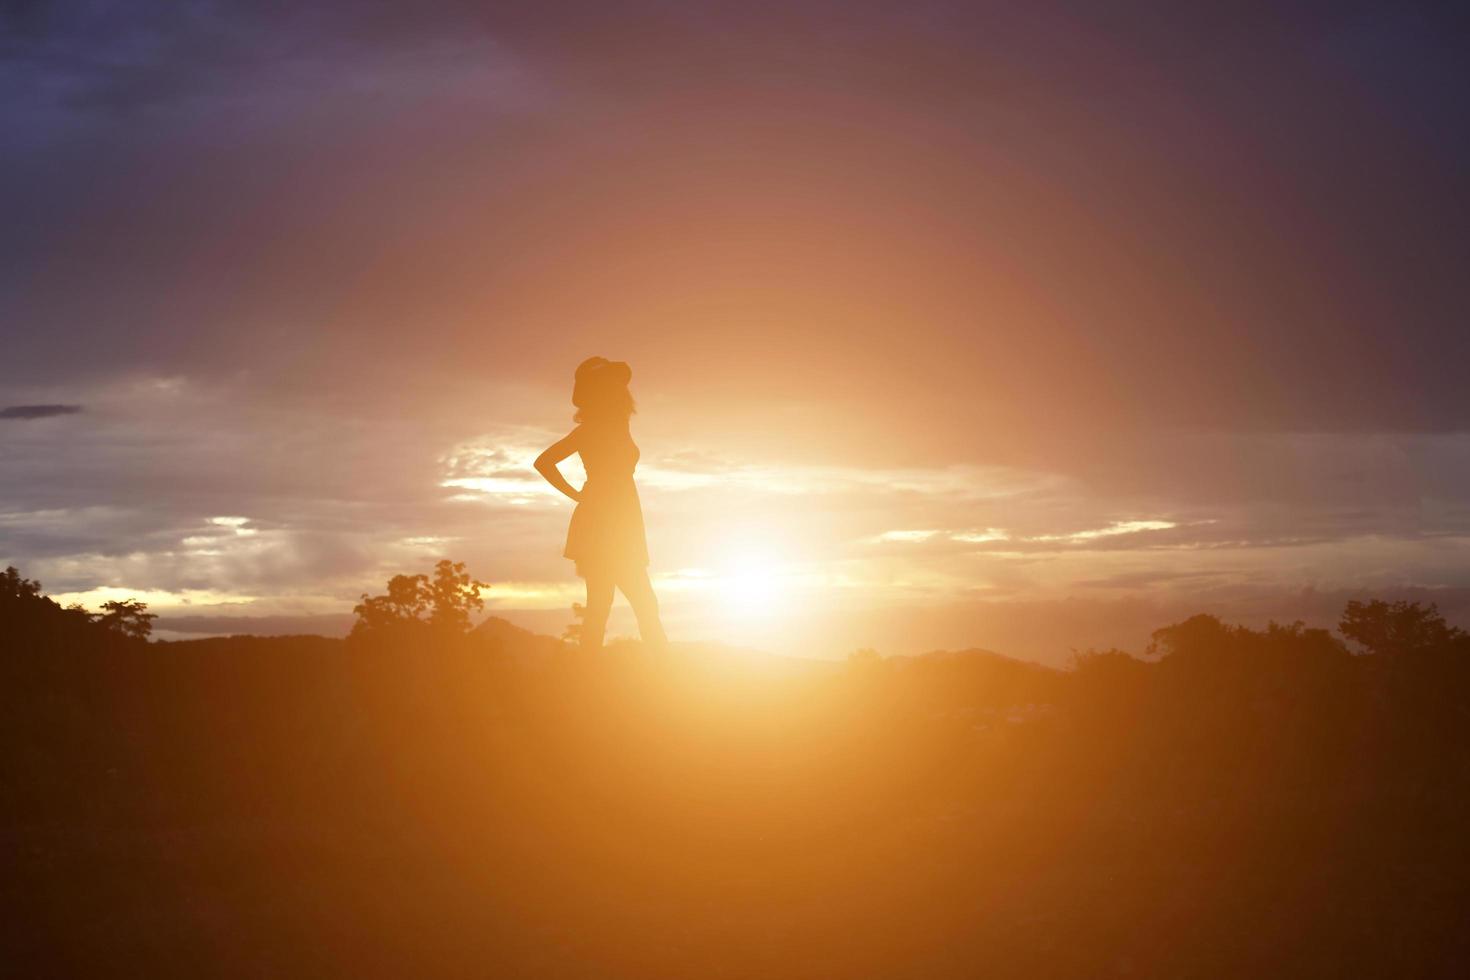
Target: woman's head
{"points": [[600, 390]]}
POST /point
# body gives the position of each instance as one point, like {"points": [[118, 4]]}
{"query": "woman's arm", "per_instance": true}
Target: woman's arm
{"points": [[555, 453]]}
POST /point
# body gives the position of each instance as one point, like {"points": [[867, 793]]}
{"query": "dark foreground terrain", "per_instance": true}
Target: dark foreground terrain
{"points": [[1239, 804]]}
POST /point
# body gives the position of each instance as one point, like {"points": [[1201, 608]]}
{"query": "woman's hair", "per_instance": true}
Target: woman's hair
{"points": [[600, 390]]}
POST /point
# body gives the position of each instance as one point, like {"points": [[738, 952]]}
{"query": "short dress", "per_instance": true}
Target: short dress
{"points": [[606, 534]]}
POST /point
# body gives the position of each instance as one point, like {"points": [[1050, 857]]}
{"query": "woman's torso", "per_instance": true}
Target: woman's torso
{"points": [[609, 455], [606, 529]]}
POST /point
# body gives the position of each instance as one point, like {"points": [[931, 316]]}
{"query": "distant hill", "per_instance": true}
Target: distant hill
{"points": [[976, 656], [326, 624], [515, 641]]}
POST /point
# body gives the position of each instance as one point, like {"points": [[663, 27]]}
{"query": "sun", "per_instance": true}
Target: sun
{"points": [[750, 584], [744, 586]]}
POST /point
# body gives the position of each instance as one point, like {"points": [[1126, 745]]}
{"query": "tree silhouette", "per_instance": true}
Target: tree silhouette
{"points": [[14, 588], [445, 603], [453, 595], [23, 609], [1403, 628], [400, 606], [129, 618]]}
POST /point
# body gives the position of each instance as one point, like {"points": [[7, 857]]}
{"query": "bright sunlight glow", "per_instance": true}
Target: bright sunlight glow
{"points": [[751, 584]]}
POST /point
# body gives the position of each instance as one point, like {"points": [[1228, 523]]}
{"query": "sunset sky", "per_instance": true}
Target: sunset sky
{"points": [[1027, 326]]}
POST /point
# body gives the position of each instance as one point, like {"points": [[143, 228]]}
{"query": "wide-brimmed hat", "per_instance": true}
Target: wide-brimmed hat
{"points": [[599, 372]]}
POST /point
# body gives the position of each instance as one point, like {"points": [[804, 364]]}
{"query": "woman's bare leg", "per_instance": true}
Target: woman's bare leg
{"points": [[594, 614], [639, 590]]}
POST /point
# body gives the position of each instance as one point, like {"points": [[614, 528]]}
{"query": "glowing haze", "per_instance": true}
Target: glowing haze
{"points": [[1024, 326]]}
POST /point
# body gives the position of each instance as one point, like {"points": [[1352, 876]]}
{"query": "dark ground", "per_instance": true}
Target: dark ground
{"points": [[299, 807]]}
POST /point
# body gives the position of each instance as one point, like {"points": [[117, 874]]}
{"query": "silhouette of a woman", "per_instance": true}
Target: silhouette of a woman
{"points": [[606, 537]]}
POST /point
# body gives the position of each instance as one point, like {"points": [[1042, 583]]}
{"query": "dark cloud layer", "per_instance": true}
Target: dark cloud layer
{"points": [[1250, 218], [26, 412]]}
